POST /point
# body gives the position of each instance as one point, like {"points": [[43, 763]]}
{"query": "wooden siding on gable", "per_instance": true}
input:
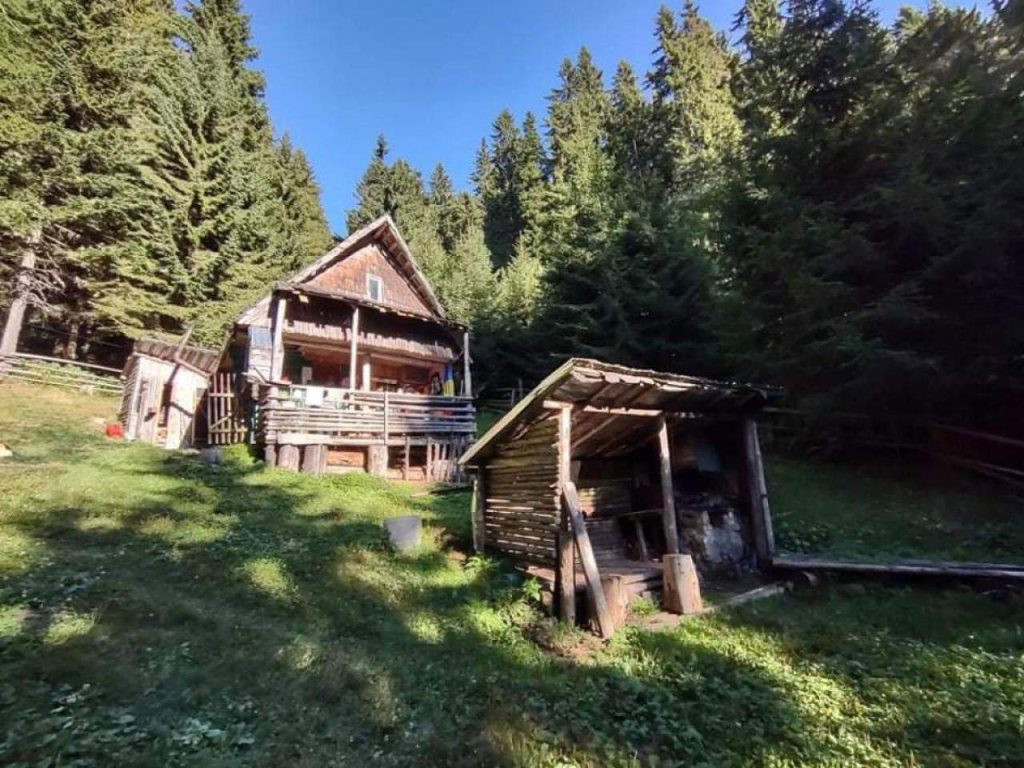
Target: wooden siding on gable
{"points": [[350, 276]]}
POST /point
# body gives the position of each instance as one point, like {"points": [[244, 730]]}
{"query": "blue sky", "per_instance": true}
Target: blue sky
{"points": [[431, 76]]}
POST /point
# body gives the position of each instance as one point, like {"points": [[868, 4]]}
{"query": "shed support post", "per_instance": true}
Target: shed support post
{"points": [[667, 489], [277, 350], [566, 569], [353, 350], [757, 490]]}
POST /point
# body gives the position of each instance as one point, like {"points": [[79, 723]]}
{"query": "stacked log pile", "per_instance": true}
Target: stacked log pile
{"points": [[522, 509]]}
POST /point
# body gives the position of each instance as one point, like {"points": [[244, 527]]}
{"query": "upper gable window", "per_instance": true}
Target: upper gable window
{"points": [[374, 288]]}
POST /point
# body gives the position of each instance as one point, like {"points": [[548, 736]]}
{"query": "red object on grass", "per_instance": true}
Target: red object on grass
{"points": [[116, 431]]}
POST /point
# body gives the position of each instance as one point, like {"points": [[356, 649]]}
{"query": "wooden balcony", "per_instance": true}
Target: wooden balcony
{"points": [[347, 417]]}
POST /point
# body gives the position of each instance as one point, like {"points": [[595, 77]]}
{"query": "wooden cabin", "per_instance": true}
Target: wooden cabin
{"points": [[164, 387], [604, 474], [351, 364]]}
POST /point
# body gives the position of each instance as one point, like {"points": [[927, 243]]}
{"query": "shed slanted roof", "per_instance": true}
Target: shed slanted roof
{"points": [[201, 359], [618, 402]]}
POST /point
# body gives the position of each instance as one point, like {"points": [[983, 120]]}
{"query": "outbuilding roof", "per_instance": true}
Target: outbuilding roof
{"points": [[201, 359], [613, 405]]}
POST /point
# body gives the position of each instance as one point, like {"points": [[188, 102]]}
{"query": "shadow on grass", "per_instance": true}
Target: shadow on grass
{"points": [[233, 614]]}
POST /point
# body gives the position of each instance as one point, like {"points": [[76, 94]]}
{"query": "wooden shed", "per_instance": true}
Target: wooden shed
{"points": [[164, 386], [610, 477]]}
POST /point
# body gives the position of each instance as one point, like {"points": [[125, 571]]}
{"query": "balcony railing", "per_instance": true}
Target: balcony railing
{"points": [[293, 416]]}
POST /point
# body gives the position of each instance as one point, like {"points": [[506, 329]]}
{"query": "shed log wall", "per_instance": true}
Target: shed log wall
{"points": [[522, 508]]}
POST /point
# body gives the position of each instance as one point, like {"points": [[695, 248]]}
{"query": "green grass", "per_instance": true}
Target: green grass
{"points": [[154, 611], [870, 512]]}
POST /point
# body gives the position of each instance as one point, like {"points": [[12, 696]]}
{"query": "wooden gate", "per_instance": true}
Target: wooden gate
{"points": [[226, 416]]}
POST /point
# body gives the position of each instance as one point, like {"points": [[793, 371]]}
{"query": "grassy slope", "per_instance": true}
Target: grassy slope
{"points": [[874, 513], [157, 612]]}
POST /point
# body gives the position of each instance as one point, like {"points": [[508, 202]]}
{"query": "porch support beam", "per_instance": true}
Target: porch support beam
{"points": [[467, 376], [353, 349], [277, 348]]}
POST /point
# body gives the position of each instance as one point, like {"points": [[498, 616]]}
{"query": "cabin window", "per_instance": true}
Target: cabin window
{"points": [[374, 288]]}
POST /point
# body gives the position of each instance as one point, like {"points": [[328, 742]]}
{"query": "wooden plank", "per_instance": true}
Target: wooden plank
{"points": [[667, 490], [595, 590], [467, 376], [641, 540], [757, 492], [902, 567]]}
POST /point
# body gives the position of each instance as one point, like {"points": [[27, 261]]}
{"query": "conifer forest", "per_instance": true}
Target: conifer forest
{"points": [[813, 198]]}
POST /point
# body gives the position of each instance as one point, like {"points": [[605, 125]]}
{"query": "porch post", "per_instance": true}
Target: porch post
{"points": [[367, 373], [353, 349], [277, 351], [667, 491], [467, 377]]}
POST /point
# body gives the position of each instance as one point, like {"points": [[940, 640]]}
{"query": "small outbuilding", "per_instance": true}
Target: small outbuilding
{"points": [[625, 481], [165, 384]]}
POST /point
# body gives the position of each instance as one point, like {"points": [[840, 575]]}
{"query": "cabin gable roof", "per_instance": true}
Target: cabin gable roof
{"points": [[376, 250]]}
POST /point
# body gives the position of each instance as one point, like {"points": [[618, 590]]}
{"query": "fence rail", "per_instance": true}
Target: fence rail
{"points": [[999, 457], [54, 371]]}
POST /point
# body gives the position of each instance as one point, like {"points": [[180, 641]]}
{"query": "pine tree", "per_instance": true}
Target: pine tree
{"points": [[693, 100], [68, 170]]}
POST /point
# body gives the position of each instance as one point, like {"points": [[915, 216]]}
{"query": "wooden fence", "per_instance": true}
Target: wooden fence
{"points": [[226, 415], [999, 457], [500, 398], [38, 369]]}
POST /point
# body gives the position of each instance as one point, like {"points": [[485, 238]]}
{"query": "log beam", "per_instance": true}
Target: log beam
{"points": [[667, 490], [566, 572]]}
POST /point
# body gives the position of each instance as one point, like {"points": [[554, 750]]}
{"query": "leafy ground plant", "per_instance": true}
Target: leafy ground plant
{"points": [[158, 612]]}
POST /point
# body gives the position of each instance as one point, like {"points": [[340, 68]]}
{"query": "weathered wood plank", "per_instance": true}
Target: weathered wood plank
{"points": [[595, 591], [667, 489]]}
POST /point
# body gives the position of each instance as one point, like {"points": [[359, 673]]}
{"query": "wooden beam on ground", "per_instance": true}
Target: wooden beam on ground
{"points": [[902, 567], [667, 490], [595, 590]]}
